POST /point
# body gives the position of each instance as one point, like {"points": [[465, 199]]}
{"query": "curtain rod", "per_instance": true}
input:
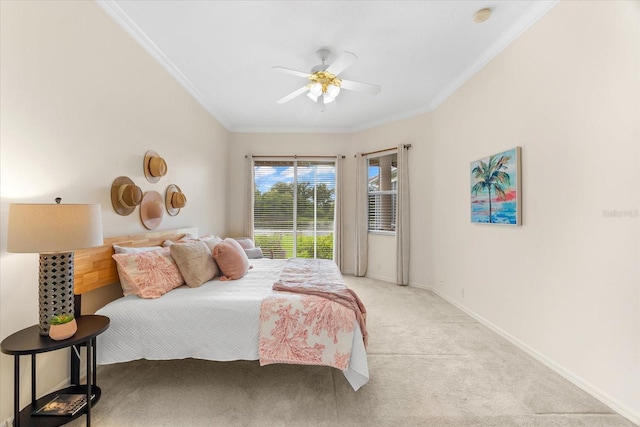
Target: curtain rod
{"points": [[406, 146], [295, 156]]}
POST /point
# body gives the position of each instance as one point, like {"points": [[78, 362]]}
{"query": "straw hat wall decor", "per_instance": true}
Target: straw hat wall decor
{"points": [[151, 210], [174, 200], [154, 166], [125, 195]]}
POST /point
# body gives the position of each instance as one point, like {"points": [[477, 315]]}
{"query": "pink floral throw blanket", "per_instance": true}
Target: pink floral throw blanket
{"points": [[317, 327]]}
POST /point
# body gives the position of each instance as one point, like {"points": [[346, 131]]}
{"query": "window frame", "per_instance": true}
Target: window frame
{"points": [[297, 162], [393, 192]]}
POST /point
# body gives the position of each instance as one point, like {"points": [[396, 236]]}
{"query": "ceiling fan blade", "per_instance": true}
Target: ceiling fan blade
{"points": [[290, 71], [361, 87], [341, 64], [292, 95]]}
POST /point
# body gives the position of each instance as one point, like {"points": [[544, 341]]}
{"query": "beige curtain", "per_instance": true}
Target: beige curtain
{"points": [[248, 223], [402, 217], [362, 212], [337, 220]]}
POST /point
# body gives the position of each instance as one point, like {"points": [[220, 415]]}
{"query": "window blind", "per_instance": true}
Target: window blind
{"points": [[294, 204], [382, 190]]}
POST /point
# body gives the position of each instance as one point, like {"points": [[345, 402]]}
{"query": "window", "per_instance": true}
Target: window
{"points": [[294, 204], [383, 185]]}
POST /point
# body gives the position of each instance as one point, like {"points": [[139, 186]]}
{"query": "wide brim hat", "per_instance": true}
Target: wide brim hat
{"points": [[151, 210], [154, 166], [125, 195], [174, 200]]}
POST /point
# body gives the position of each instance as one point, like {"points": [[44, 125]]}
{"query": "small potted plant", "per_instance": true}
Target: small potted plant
{"points": [[62, 326]]}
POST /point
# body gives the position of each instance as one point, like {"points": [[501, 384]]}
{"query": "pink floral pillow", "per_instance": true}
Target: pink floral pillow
{"points": [[231, 259], [149, 274]]}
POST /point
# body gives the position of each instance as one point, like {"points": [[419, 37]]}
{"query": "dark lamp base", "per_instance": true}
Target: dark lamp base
{"points": [[56, 287]]}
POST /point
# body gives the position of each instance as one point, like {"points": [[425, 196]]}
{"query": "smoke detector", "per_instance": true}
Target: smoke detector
{"points": [[482, 15]]}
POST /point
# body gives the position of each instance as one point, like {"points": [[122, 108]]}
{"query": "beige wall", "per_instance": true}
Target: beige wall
{"points": [[81, 102], [567, 283]]}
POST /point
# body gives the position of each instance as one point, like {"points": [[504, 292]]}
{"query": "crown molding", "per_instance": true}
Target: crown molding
{"points": [[535, 12], [304, 130], [125, 21]]}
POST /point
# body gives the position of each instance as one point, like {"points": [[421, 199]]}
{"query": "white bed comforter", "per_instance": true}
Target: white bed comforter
{"points": [[217, 321]]}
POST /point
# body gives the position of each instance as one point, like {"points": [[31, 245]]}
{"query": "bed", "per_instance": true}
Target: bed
{"points": [[219, 320]]}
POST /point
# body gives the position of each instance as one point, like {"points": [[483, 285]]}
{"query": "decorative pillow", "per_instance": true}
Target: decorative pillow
{"points": [[245, 242], [132, 250], [253, 253], [249, 247], [184, 238], [194, 261], [188, 237], [208, 236], [211, 242], [127, 287], [150, 274], [231, 259]]}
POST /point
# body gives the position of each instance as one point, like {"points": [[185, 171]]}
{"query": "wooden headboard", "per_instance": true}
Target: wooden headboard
{"points": [[94, 267]]}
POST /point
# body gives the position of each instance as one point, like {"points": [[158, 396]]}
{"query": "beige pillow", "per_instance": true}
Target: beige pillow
{"points": [[231, 259], [194, 262]]}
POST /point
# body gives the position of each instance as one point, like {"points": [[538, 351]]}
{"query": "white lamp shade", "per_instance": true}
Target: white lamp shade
{"points": [[333, 91], [52, 228], [316, 89], [327, 98], [313, 97]]}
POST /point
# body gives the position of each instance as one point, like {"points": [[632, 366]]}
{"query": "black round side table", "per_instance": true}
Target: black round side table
{"points": [[29, 342]]}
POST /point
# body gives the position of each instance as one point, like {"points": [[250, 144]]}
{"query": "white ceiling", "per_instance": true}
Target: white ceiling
{"points": [[420, 52]]}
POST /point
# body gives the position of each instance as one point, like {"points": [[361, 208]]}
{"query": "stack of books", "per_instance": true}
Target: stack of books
{"points": [[63, 405]]}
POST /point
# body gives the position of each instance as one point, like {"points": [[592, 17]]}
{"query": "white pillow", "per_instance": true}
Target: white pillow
{"points": [[131, 250], [253, 253], [245, 242]]}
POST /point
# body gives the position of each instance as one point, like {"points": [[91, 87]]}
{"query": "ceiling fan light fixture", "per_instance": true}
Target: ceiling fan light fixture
{"points": [[316, 89], [324, 85], [333, 91]]}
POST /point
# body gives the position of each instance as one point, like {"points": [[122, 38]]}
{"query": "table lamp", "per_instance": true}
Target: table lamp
{"points": [[54, 231]]}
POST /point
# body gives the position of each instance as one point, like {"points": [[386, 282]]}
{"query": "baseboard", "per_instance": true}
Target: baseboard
{"points": [[382, 278], [594, 391], [421, 286]]}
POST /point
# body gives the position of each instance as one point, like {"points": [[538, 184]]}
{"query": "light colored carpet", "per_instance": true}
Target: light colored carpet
{"points": [[430, 365]]}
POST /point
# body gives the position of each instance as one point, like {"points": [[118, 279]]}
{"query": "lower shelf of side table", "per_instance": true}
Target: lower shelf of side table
{"points": [[27, 419]]}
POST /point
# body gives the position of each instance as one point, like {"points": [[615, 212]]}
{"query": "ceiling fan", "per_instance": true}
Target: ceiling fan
{"points": [[324, 84]]}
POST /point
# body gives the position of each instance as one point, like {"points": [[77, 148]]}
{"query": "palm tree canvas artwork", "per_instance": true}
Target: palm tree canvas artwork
{"points": [[495, 189]]}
